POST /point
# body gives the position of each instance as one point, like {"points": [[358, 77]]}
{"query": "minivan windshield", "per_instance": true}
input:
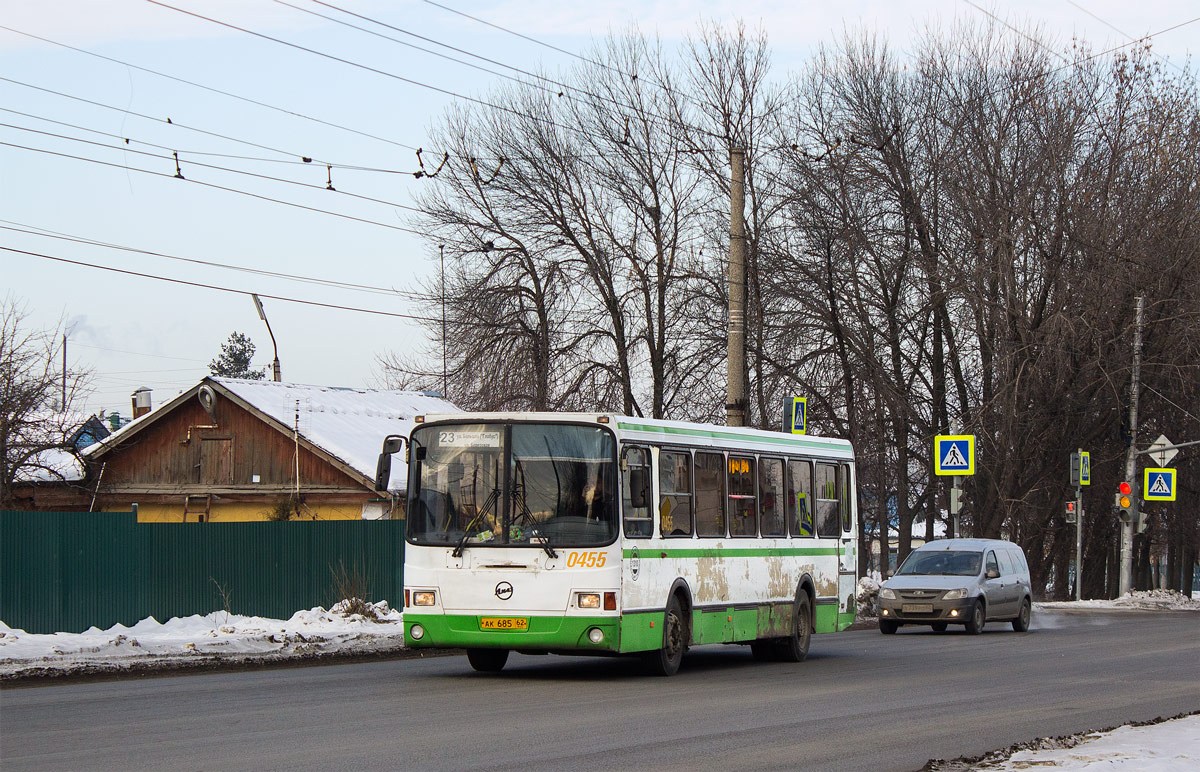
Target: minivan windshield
{"points": [[941, 563], [512, 485]]}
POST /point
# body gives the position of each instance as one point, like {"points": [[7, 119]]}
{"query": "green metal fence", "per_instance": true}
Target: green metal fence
{"points": [[68, 571]]}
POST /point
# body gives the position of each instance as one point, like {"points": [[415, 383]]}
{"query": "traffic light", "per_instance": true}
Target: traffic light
{"points": [[1124, 502], [1072, 512]]}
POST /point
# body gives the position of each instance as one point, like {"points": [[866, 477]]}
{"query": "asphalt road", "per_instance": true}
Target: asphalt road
{"points": [[862, 701]]}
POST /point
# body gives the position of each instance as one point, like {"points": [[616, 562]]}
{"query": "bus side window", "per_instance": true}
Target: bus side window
{"points": [[710, 494], [844, 500], [636, 472], [675, 489], [828, 516], [743, 503], [800, 513], [772, 495]]}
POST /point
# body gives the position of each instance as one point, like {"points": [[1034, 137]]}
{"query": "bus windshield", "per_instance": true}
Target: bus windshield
{"points": [[520, 485]]}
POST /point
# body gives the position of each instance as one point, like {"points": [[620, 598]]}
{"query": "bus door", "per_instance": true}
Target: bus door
{"points": [[848, 558]]}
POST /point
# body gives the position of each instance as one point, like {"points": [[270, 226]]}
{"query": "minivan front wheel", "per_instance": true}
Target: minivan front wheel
{"points": [[975, 620], [1020, 622]]}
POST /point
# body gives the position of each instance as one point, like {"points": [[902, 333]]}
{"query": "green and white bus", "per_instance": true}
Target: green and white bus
{"points": [[603, 534]]}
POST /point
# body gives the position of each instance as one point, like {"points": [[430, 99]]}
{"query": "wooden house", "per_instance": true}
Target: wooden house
{"points": [[234, 450]]}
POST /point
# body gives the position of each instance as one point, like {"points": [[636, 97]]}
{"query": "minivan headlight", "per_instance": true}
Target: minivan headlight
{"points": [[886, 593], [961, 592]]}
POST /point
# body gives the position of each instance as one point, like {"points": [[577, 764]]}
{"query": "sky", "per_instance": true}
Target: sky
{"points": [[146, 316]]}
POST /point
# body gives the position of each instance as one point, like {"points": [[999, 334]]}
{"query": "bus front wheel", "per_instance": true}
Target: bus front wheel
{"points": [[665, 661], [487, 660]]}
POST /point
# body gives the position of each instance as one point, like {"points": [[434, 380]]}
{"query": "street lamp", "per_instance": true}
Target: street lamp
{"points": [[263, 315]]}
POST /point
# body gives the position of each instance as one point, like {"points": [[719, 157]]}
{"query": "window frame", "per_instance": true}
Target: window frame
{"points": [[730, 496], [690, 493]]}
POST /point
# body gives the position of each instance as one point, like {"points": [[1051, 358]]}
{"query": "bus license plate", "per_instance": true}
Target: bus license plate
{"points": [[503, 623], [917, 608]]}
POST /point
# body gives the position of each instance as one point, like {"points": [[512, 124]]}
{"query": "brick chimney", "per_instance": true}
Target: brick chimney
{"points": [[141, 402]]}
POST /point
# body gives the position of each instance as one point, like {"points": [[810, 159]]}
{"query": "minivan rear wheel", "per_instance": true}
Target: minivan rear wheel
{"points": [[1020, 622], [975, 620]]}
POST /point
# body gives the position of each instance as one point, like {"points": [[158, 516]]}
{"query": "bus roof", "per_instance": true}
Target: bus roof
{"points": [[686, 433]]}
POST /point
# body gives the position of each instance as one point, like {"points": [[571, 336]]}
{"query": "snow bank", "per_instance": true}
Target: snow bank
{"points": [[1170, 746], [215, 637], [1149, 600]]}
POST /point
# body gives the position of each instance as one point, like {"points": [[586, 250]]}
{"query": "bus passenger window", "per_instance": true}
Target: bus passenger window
{"points": [[636, 472], [827, 500], [800, 511], [771, 491], [710, 494], [743, 509], [675, 487]]}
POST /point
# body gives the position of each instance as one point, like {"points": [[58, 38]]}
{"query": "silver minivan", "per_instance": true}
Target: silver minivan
{"points": [[958, 582]]}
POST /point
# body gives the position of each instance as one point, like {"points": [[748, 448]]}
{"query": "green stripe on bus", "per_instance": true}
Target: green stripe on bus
{"points": [[782, 439], [656, 553]]}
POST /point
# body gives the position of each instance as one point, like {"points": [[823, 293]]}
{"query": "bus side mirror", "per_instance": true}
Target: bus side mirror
{"points": [[394, 443], [639, 487]]}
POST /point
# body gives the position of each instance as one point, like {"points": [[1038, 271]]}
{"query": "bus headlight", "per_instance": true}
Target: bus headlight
{"points": [[595, 635], [587, 600], [424, 598], [417, 632]]}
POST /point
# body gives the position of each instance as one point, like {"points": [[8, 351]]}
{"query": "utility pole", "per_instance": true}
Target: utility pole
{"points": [[735, 403], [64, 375], [442, 259], [1131, 456]]}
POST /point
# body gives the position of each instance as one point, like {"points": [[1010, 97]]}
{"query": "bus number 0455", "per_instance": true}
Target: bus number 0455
{"points": [[586, 559]]}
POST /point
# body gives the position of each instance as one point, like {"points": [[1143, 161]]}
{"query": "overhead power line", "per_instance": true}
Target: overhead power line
{"points": [[210, 89], [45, 233], [179, 176], [329, 187]]}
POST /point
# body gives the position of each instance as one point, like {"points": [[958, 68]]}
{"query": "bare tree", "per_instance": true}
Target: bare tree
{"points": [[34, 418]]}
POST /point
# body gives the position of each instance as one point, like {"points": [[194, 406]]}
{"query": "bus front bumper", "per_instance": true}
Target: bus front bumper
{"points": [[512, 631]]}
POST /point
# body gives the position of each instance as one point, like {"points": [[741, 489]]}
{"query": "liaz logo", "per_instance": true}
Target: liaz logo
{"points": [[504, 591]]}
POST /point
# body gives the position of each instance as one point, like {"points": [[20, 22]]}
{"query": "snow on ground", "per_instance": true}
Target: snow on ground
{"points": [[219, 637], [1150, 600], [1170, 746]]}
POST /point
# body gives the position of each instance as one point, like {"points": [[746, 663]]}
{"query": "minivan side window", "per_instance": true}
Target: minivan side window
{"points": [[991, 565], [1006, 563]]}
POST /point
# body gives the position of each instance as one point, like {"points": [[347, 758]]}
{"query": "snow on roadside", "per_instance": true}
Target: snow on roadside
{"points": [[1169, 746], [1149, 600], [216, 637]]}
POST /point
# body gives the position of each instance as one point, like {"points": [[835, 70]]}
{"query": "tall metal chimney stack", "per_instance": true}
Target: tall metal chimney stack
{"points": [[141, 402]]}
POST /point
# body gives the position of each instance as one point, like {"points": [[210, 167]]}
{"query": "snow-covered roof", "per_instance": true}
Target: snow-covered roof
{"points": [[51, 465], [348, 424]]}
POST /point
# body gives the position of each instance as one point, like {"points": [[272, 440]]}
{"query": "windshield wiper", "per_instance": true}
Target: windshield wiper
{"points": [[491, 500], [527, 517]]}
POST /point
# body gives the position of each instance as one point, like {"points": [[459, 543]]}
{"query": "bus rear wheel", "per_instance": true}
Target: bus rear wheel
{"points": [[665, 661], [487, 660], [794, 648]]}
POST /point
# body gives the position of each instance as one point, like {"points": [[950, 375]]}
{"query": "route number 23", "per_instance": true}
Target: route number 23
{"points": [[586, 560]]}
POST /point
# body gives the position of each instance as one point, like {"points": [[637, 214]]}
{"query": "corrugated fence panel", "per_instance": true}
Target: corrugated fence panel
{"points": [[67, 571]]}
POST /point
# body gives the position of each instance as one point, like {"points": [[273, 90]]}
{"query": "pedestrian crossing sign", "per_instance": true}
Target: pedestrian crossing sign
{"points": [[797, 418], [1158, 485], [954, 454]]}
